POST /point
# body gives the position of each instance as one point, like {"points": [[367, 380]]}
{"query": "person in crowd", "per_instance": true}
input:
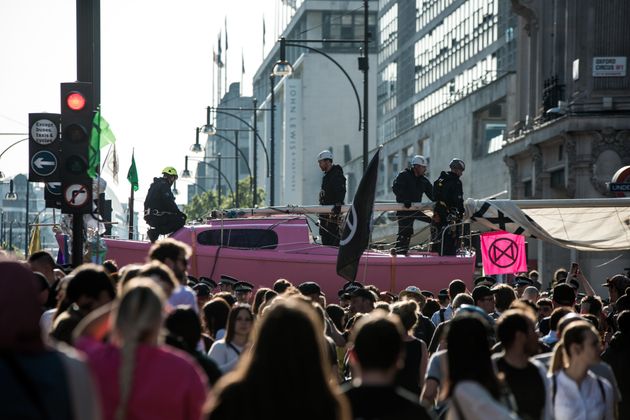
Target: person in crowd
{"points": [[243, 291], [48, 317], [448, 211], [37, 382], [534, 275], [473, 387], [616, 286], [43, 290], [411, 375], [214, 315], [226, 283], [227, 351], [160, 273], [552, 337], [376, 353], [431, 307], [617, 356], [203, 293], [504, 295], [525, 377], [439, 336], [259, 299], [281, 285], [361, 301], [89, 288], [485, 281], [160, 211], [175, 255], [408, 187], [445, 313], [577, 393], [184, 332], [43, 262], [313, 291], [559, 276], [484, 298], [332, 193], [287, 360], [520, 284], [424, 328], [531, 293], [137, 377]]}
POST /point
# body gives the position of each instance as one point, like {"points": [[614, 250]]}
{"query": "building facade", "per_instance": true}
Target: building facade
{"points": [[316, 107], [572, 112]]}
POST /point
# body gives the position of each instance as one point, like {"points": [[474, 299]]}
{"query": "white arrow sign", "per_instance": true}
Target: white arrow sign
{"points": [[44, 163], [40, 163]]}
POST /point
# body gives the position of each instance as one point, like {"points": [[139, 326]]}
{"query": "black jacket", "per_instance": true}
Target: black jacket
{"points": [[160, 197], [448, 191], [617, 355], [409, 188], [333, 187]]}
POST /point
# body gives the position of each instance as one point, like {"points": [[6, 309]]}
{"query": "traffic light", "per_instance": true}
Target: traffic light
{"points": [[77, 112]]}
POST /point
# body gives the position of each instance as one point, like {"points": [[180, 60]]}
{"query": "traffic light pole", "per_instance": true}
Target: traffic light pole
{"points": [[88, 70]]}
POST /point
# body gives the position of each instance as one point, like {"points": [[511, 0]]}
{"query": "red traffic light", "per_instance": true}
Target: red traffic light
{"points": [[75, 101]]}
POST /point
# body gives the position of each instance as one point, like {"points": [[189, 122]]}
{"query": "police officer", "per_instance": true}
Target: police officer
{"points": [[332, 193], [448, 209], [160, 210], [408, 187]]}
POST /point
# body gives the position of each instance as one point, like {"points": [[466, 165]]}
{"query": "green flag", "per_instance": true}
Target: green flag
{"points": [[100, 137], [132, 175]]}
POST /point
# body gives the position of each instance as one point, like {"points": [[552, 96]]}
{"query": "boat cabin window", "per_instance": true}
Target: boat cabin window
{"points": [[240, 238]]}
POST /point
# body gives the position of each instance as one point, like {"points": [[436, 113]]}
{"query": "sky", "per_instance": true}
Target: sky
{"points": [[156, 72]]}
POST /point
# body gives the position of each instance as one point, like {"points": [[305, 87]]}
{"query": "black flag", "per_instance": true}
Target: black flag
{"points": [[358, 223]]}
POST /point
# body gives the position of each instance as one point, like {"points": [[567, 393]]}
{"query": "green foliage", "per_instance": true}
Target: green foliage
{"points": [[202, 204]]}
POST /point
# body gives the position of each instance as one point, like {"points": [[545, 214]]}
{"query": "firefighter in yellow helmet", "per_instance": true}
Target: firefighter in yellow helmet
{"points": [[160, 210]]}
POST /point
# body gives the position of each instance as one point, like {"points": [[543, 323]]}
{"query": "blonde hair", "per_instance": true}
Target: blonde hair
{"points": [[575, 333], [407, 311], [138, 318]]}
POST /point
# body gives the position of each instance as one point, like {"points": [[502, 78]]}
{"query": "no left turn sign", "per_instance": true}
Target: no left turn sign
{"points": [[76, 195]]}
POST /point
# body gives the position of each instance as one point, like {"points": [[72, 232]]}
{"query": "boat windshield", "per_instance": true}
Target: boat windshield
{"points": [[239, 238]]}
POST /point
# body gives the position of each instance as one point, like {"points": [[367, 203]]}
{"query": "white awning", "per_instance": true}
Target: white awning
{"points": [[583, 224]]}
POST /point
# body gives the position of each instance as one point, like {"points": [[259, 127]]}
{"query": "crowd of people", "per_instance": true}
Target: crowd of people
{"points": [[151, 342]]}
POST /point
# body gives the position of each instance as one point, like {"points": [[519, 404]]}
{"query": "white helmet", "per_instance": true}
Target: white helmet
{"points": [[325, 154], [457, 163], [419, 160]]}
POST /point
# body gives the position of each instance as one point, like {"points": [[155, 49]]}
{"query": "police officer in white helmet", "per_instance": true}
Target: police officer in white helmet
{"points": [[449, 209], [408, 187], [333, 192]]}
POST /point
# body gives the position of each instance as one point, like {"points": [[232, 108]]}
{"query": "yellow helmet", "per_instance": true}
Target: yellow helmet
{"points": [[169, 170]]}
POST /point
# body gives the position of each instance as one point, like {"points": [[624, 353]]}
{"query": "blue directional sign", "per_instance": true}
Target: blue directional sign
{"points": [[44, 163], [54, 188]]}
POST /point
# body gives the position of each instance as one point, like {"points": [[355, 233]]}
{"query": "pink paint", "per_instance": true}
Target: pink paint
{"points": [[298, 259]]}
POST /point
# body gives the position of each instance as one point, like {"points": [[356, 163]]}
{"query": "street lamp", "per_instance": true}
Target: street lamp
{"points": [[196, 147], [211, 130], [283, 68], [217, 168], [11, 195]]}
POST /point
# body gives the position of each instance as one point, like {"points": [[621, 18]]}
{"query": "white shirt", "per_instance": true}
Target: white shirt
{"points": [[583, 402], [448, 314], [476, 404], [224, 355]]}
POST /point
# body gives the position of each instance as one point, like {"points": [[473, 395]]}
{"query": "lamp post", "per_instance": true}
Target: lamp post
{"points": [[283, 68], [186, 173], [210, 130]]}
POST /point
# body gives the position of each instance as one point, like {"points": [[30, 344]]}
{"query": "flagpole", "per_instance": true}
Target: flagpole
{"points": [[131, 227], [214, 63]]}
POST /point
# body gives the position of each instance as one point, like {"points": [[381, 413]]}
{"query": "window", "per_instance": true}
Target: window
{"points": [[239, 238], [556, 180]]}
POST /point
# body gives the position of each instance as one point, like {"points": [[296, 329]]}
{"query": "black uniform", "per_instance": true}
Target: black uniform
{"points": [[449, 209], [409, 188], [160, 210], [333, 193]]}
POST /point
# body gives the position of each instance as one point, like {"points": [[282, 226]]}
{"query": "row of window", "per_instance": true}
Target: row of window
{"points": [[388, 31], [386, 88], [477, 76], [454, 41], [427, 10]]}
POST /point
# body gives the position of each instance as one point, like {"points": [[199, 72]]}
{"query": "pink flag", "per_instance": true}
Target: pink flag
{"points": [[503, 253]]}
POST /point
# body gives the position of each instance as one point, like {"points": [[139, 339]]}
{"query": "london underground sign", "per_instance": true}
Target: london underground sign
{"points": [[620, 183]]}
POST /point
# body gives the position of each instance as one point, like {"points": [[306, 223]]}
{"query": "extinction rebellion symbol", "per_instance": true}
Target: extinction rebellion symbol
{"points": [[503, 252]]}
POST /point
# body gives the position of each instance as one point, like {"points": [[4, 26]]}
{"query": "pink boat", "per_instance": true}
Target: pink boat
{"points": [[261, 250]]}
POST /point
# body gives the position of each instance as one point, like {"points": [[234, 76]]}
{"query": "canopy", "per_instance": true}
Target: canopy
{"points": [[583, 224]]}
